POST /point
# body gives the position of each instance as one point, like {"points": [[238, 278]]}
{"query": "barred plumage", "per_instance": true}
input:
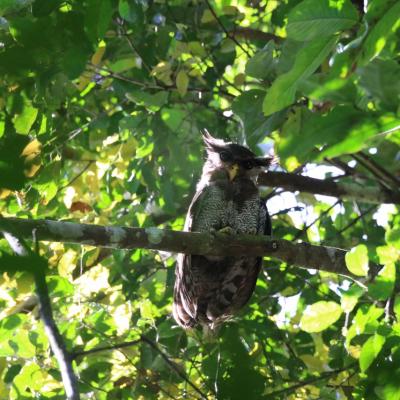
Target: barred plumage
{"points": [[208, 289]]}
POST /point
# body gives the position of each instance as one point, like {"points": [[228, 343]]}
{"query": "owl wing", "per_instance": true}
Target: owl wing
{"points": [[185, 296], [265, 225]]}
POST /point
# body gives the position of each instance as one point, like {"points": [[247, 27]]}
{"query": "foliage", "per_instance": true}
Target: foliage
{"points": [[101, 108]]}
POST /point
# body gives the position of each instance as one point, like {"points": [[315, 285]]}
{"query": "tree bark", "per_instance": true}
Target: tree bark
{"points": [[345, 191], [302, 254]]}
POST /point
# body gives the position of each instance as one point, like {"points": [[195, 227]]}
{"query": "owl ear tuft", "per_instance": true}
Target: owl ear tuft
{"points": [[212, 144]]}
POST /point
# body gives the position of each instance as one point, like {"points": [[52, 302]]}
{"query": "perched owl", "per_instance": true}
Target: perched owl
{"points": [[209, 289]]}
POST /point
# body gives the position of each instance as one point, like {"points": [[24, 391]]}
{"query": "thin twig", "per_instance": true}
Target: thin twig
{"points": [[323, 376], [56, 341], [228, 34], [355, 220], [118, 346], [307, 227], [89, 163], [173, 366]]}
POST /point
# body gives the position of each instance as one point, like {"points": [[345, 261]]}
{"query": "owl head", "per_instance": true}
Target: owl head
{"points": [[236, 160]]}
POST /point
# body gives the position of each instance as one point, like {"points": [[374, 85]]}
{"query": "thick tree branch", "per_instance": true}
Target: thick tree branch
{"points": [[345, 191], [304, 255]]}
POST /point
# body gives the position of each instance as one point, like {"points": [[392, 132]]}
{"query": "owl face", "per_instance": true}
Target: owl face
{"points": [[236, 160]]}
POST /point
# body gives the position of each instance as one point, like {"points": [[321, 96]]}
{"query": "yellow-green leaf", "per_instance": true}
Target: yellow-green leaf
{"points": [[370, 350], [379, 34], [382, 287], [357, 260], [24, 121], [182, 82], [350, 298], [319, 316]]}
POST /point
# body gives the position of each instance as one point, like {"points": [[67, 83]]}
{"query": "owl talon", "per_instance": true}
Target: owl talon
{"points": [[227, 230]]}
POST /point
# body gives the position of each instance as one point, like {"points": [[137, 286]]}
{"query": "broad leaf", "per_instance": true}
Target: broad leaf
{"points": [[357, 260], [318, 18], [282, 93], [320, 316], [382, 286], [380, 33], [370, 350]]}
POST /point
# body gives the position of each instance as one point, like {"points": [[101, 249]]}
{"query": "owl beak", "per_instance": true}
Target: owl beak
{"points": [[232, 171]]}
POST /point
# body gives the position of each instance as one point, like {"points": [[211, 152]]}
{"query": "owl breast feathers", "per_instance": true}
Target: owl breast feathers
{"points": [[208, 289]]}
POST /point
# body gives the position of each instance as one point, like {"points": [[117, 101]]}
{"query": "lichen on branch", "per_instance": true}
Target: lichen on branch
{"points": [[305, 255]]}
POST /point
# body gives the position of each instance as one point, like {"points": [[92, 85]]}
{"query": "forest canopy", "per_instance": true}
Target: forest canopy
{"points": [[102, 107]]}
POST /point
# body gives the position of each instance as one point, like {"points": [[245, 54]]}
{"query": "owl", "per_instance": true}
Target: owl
{"points": [[211, 289]]}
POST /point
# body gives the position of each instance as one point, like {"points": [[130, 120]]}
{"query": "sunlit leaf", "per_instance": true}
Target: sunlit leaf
{"points": [[320, 316], [379, 34], [24, 121], [350, 298], [382, 286], [316, 18], [392, 237], [182, 82], [370, 350], [357, 260]]}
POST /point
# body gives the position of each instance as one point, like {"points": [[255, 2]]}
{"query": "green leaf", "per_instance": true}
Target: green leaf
{"points": [[319, 316], [282, 93], [123, 64], [383, 284], [396, 306], [74, 61], [262, 63], [131, 10], [41, 8], [173, 117], [319, 18], [380, 33], [24, 121], [392, 237], [151, 101], [381, 79], [255, 124], [320, 89], [98, 17], [11, 163], [12, 6], [366, 320], [355, 137], [387, 254], [357, 260], [182, 82], [350, 298], [370, 350]]}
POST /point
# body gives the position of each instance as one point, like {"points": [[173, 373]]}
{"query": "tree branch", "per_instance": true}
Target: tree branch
{"points": [[255, 34], [345, 191], [303, 254], [227, 33]]}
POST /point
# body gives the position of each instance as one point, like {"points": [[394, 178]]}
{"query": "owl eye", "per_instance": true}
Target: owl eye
{"points": [[248, 164], [225, 156]]}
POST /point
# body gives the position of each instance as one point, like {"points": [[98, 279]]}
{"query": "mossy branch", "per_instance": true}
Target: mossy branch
{"points": [[305, 255]]}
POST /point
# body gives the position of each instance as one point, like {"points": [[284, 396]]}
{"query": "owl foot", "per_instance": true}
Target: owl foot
{"points": [[227, 230]]}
